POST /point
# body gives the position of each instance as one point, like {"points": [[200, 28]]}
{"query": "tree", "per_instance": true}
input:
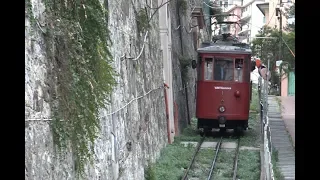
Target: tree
{"points": [[267, 49], [289, 43]]}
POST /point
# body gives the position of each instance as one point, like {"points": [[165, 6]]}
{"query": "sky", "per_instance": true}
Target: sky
{"points": [[291, 20]]}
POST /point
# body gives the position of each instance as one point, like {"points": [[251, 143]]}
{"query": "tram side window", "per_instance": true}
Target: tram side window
{"points": [[208, 68], [223, 69], [238, 70]]}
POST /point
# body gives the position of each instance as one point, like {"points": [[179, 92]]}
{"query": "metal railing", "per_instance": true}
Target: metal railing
{"points": [[265, 131]]}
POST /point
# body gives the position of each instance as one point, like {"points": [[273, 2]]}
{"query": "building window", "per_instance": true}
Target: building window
{"points": [[220, 3], [225, 4]]}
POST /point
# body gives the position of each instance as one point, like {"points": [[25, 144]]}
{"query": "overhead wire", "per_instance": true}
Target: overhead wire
{"points": [[288, 47]]}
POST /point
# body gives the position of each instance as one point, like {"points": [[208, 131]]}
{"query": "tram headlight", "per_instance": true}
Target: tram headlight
{"points": [[222, 109]]}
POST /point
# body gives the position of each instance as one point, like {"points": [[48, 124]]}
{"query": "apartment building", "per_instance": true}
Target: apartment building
{"points": [[247, 14], [270, 15]]}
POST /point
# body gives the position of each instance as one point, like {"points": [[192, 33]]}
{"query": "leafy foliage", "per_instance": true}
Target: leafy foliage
{"points": [[269, 49], [150, 172], [183, 5], [185, 64], [142, 20], [77, 42], [174, 159]]}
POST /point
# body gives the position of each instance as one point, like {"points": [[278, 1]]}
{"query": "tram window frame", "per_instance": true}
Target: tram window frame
{"points": [[205, 68], [242, 72], [247, 59]]}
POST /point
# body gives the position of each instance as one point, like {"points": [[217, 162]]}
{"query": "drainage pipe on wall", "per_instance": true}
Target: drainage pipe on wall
{"points": [[167, 112]]}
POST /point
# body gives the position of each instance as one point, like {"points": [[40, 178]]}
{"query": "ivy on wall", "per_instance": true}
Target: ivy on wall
{"points": [[77, 45]]}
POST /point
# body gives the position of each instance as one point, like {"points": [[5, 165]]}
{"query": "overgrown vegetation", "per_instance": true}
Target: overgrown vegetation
{"points": [[29, 12], [266, 49], [77, 41], [202, 164], [142, 20], [276, 171], [150, 172], [183, 5], [254, 104], [249, 165], [174, 159], [224, 165], [185, 63]]}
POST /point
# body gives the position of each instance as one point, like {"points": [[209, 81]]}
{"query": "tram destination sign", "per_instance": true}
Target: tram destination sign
{"points": [[222, 87]]}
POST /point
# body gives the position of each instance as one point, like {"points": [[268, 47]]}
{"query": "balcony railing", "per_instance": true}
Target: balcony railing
{"points": [[245, 15]]}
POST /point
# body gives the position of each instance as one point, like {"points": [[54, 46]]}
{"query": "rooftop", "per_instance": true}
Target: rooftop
{"points": [[262, 7], [224, 47]]}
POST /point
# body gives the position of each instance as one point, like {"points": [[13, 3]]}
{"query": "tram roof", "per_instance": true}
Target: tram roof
{"points": [[223, 48]]}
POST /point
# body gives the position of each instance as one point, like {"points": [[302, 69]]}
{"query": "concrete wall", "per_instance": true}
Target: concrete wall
{"points": [[284, 86], [142, 123]]}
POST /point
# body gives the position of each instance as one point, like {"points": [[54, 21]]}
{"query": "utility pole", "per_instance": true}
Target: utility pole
{"points": [[280, 48]]}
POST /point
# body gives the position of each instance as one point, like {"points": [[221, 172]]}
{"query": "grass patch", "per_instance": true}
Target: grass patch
{"points": [[174, 159], [252, 135], [249, 165], [276, 171], [190, 133], [202, 164], [224, 165], [254, 104]]}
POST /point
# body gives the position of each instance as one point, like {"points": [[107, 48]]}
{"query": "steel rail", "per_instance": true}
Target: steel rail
{"points": [[193, 158], [215, 158], [235, 164]]}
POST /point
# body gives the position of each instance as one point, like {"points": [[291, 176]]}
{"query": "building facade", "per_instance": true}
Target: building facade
{"points": [[247, 14], [271, 16]]}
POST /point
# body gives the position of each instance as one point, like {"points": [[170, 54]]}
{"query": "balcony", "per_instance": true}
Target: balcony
{"points": [[244, 31], [245, 17]]}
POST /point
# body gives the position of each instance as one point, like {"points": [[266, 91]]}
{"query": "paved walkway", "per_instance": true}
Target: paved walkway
{"points": [[280, 139], [288, 115]]}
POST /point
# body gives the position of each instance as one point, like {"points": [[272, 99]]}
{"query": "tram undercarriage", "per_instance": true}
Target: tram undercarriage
{"points": [[206, 125]]}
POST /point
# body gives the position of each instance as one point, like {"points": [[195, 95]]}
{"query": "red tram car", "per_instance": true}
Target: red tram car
{"points": [[223, 91]]}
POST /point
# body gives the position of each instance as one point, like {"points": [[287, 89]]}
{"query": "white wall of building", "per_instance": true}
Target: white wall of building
{"points": [[165, 35], [256, 19]]}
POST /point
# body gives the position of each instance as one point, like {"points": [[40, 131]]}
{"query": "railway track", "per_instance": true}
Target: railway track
{"points": [[217, 150]]}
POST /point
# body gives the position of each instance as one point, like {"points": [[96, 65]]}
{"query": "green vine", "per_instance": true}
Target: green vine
{"points": [[184, 64], [149, 172], [78, 42], [29, 14], [183, 5], [142, 20]]}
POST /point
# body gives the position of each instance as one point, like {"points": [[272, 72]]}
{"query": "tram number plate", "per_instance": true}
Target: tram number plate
{"points": [[222, 125]]}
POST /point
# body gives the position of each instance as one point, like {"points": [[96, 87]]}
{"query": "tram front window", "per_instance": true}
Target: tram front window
{"points": [[223, 69]]}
